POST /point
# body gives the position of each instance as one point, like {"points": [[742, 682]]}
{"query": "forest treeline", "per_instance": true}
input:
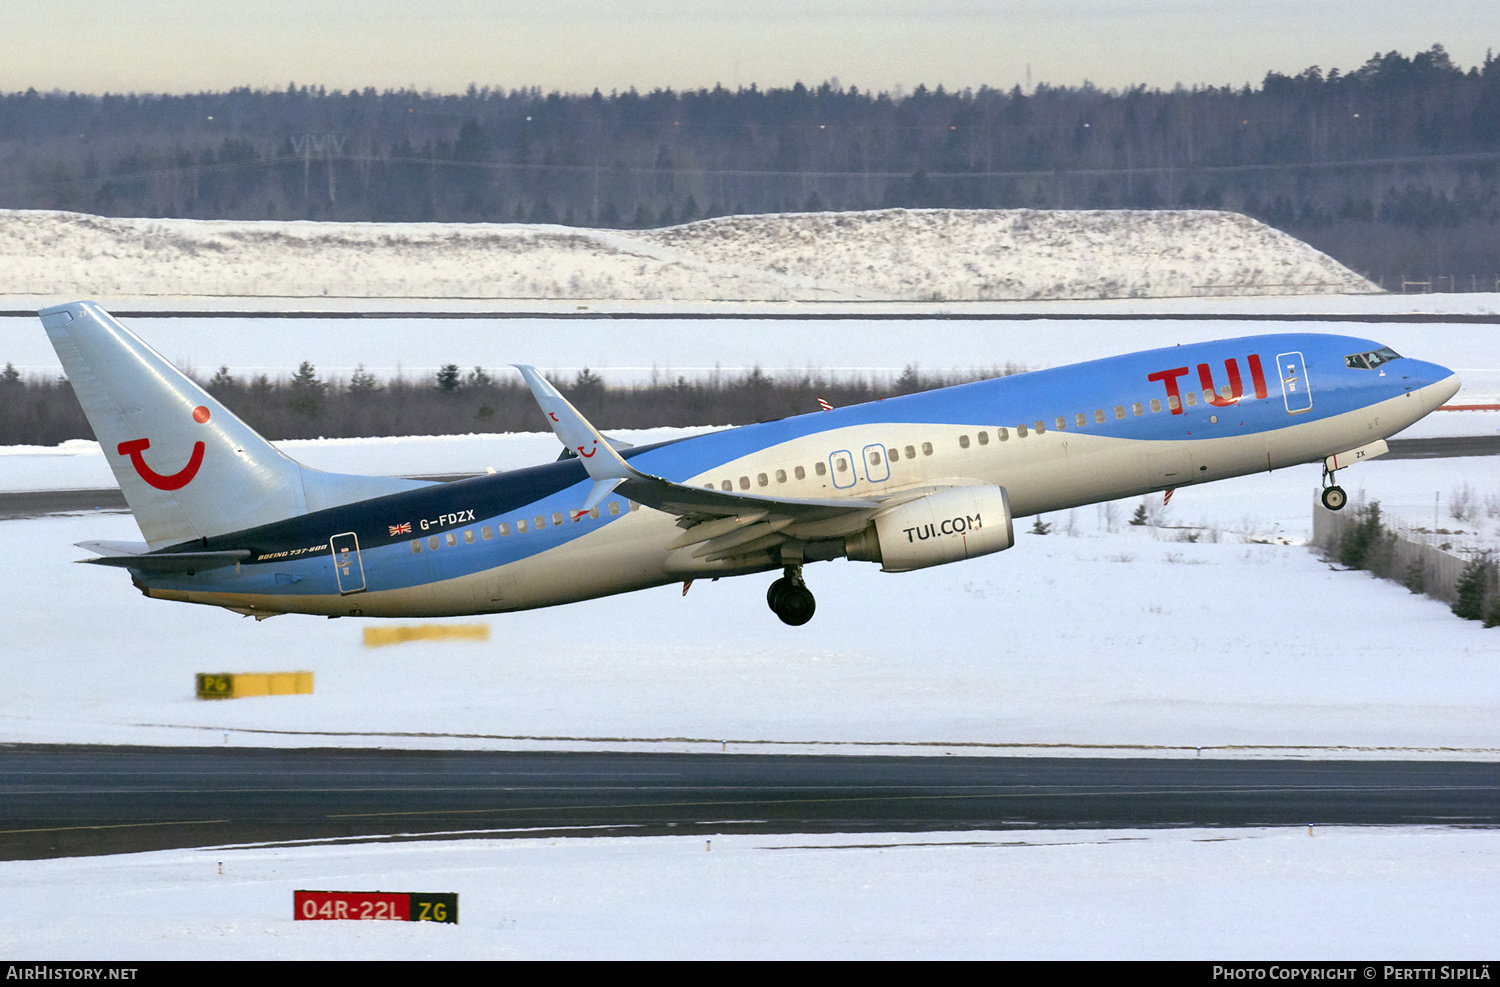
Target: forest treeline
{"points": [[43, 411], [1390, 167]]}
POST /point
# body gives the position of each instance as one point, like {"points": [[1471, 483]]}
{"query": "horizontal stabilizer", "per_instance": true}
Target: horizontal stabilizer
{"points": [[115, 547], [133, 555]]}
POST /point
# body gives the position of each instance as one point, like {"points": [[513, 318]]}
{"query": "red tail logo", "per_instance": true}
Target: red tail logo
{"points": [[174, 481]]}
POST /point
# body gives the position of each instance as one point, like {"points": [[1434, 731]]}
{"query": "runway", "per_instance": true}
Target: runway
{"points": [[81, 800]]}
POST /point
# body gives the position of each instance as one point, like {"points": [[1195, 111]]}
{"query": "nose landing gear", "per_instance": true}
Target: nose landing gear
{"points": [[1333, 496], [790, 599]]}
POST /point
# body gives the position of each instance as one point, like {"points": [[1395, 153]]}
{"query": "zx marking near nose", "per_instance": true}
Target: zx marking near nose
{"points": [[173, 481]]}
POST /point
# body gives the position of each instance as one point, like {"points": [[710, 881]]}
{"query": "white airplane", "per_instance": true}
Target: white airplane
{"points": [[907, 482]]}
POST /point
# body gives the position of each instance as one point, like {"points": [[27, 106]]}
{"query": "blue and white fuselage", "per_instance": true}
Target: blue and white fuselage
{"points": [[909, 481]]}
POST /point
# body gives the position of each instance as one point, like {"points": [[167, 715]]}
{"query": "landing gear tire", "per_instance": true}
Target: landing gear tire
{"points": [[795, 605], [774, 591], [1334, 498], [790, 600]]}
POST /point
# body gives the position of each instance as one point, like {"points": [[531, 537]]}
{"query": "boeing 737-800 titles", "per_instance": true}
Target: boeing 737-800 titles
{"points": [[907, 482]]}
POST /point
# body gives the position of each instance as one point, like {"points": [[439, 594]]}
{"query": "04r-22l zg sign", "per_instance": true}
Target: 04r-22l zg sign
{"points": [[377, 906]]}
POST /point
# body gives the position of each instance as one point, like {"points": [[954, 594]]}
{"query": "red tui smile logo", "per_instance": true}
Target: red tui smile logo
{"points": [[173, 481]]}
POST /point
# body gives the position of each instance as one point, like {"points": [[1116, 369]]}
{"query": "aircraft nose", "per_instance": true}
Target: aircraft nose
{"points": [[1437, 385]]}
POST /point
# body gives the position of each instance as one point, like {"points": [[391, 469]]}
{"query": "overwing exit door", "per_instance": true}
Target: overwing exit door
{"points": [[348, 567]]}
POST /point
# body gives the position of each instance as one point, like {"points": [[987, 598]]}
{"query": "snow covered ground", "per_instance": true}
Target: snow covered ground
{"points": [[1242, 640], [1097, 638], [926, 255], [1031, 688], [1273, 894]]}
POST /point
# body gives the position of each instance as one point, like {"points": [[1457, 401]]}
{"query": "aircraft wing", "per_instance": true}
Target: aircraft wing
{"points": [[733, 523]]}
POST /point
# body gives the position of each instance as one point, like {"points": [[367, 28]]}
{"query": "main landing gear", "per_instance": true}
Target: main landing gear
{"points": [[1334, 497], [790, 599]]}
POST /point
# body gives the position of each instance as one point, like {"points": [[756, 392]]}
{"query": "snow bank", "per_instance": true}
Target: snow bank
{"points": [[888, 255], [951, 254]]}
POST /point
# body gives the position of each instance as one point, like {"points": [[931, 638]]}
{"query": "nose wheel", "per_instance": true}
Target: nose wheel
{"points": [[790, 599], [1333, 495]]}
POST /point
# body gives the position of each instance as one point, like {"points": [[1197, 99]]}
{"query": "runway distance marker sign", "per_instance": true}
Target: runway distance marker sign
{"points": [[374, 906]]}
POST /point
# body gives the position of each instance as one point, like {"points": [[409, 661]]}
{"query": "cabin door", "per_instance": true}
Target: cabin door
{"points": [[1294, 388], [348, 567]]}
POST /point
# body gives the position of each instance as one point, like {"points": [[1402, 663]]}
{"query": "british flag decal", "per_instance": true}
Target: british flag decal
{"points": [[401, 529]]}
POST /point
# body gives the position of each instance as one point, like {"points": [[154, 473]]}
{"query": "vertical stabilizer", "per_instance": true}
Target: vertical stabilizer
{"points": [[188, 467]]}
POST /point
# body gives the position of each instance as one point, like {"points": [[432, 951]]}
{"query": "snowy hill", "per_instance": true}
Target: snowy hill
{"points": [[888, 255]]}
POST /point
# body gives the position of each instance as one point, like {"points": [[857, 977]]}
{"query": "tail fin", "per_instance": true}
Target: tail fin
{"points": [[188, 467]]}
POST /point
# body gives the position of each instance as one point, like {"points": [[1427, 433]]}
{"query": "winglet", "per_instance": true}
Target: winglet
{"points": [[609, 471], [605, 466]]}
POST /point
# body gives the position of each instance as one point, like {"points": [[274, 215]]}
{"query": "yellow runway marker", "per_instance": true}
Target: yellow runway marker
{"points": [[238, 685], [379, 637]]}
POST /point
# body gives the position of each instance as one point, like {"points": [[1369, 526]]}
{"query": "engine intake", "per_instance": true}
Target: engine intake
{"points": [[948, 526]]}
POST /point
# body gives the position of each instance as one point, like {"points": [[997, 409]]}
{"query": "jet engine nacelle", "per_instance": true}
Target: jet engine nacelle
{"points": [[948, 526]]}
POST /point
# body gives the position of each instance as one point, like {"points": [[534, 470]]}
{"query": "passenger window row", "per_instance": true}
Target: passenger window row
{"points": [[536, 524], [840, 465], [894, 454], [1080, 419]]}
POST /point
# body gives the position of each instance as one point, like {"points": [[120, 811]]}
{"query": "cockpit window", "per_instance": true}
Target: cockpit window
{"points": [[1372, 359]]}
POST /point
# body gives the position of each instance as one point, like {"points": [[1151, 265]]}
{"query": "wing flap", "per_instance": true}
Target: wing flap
{"points": [[761, 544], [751, 533], [704, 530]]}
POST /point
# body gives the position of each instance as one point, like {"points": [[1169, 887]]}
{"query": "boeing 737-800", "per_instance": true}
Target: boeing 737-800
{"points": [[908, 482]]}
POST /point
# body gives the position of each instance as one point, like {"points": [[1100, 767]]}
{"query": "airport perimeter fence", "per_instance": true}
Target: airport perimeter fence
{"points": [[1442, 284], [1402, 554]]}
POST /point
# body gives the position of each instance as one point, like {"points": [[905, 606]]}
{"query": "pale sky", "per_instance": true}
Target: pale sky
{"points": [[577, 45]]}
